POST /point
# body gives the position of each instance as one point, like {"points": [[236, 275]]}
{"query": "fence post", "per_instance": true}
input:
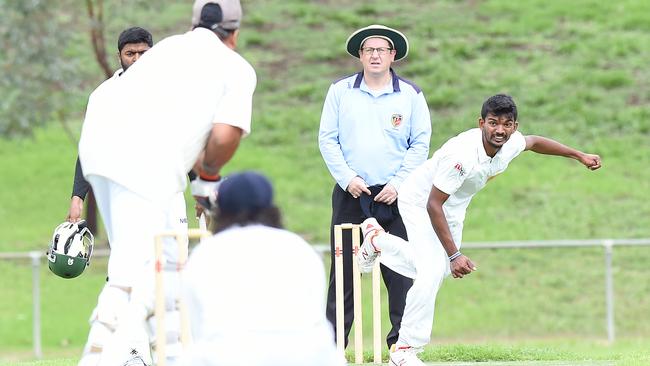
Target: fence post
{"points": [[36, 303], [609, 290]]}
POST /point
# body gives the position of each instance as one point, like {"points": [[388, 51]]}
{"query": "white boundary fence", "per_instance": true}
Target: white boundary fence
{"points": [[608, 244]]}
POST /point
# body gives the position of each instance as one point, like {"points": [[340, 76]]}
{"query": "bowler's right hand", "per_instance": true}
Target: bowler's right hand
{"points": [[357, 186], [462, 266]]}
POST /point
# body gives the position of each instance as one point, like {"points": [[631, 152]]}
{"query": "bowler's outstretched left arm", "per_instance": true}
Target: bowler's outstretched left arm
{"points": [[544, 145]]}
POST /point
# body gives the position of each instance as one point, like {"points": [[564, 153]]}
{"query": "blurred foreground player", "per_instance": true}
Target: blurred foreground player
{"points": [[255, 292], [142, 133]]}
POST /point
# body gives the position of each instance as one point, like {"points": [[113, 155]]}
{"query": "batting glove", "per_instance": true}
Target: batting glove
{"points": [[204, 189]]}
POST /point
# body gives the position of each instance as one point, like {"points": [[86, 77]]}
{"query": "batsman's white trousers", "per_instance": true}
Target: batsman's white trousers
{"points": [[424, 259], [131, 222]]}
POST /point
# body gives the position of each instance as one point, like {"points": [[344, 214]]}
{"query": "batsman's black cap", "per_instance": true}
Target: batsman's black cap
{"points": [[245, 191], [231, 13]]}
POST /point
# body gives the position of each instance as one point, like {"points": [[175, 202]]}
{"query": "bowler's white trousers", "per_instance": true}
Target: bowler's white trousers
{"points": [[424, 259]]}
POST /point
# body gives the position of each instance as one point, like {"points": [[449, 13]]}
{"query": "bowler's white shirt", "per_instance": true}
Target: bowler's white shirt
{"points": [[256, 294], [145, 129], [460, 168]]}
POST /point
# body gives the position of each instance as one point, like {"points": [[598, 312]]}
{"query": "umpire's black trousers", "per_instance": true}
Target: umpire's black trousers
{"points": [[346, 209]]}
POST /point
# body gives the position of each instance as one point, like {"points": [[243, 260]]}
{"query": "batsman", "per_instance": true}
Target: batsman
{"points": [[184, 105]]}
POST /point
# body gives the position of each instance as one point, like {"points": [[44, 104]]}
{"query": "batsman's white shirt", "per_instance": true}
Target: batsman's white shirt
{"points": [[255, 296], [123, 257], [146, 129], [459, 168]]}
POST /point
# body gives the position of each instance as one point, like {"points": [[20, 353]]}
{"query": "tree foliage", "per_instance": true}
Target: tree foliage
{"points": [[35, 77], [40, 81]]}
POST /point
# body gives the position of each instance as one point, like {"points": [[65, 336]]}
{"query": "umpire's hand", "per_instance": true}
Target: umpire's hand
{"points": [[388, 195], [357, 186]]}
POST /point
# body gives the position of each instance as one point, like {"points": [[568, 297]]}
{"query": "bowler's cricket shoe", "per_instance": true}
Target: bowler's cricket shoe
{"points": [[404, 356], [369, 251]]}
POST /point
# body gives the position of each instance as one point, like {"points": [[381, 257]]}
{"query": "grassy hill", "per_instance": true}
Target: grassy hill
{"points": [[578, 71]]}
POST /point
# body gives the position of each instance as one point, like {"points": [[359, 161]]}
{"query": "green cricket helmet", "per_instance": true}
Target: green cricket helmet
{"points": [[70, 249]]}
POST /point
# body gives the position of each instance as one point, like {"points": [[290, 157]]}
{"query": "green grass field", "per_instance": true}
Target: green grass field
{"points": [[578, 71], [72, 362], [548, 353]]}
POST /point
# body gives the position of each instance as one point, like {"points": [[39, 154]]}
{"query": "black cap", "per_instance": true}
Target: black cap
{"points": [[228, 17], [246, 191]]}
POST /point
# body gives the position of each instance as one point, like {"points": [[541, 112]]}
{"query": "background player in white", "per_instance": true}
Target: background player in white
{"points": [[254, 291], [433, 202], [186, 103], [131, 44]]}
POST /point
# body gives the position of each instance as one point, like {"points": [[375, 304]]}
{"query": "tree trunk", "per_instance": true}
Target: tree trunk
{"points": [[97, 35]]}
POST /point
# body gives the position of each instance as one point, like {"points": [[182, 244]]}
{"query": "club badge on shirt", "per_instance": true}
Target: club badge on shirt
{"points": [[459, 168], [396, 120]]}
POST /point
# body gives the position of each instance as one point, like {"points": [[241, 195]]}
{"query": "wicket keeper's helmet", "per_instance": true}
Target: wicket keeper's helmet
{"points": [[70, 249]]}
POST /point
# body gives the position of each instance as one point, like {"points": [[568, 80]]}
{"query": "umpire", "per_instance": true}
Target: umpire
{"points": [[375, 129]]}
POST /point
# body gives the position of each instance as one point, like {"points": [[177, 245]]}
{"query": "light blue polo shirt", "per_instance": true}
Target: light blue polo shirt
{"points": [[380, 136]]}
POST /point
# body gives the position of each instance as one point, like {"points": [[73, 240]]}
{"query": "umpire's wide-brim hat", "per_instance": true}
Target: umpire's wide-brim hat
{"points": [[396, 38]]}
